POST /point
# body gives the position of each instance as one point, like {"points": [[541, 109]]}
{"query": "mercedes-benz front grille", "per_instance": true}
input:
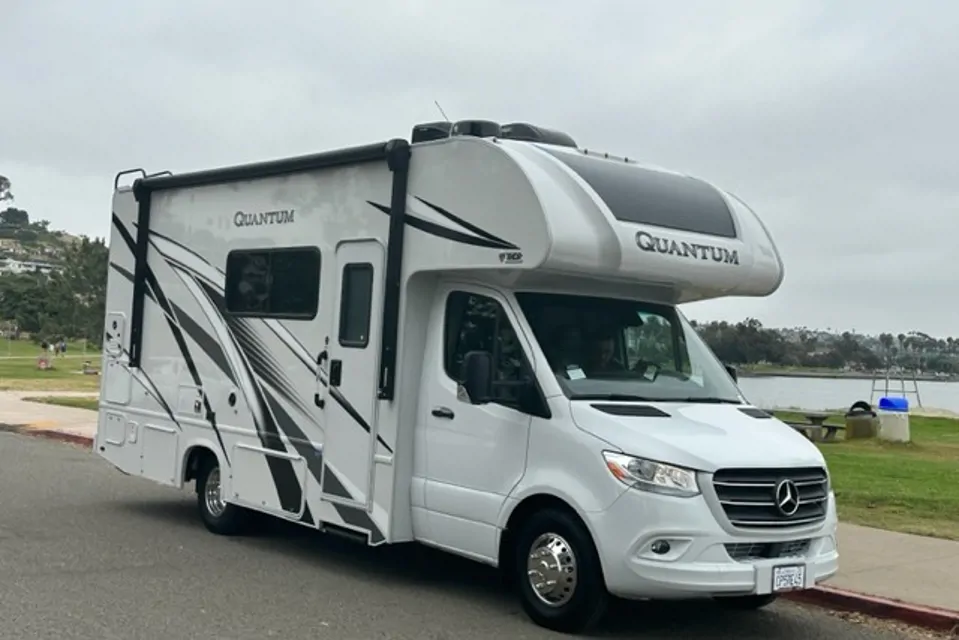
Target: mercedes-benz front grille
{"points": [[772, 498]]}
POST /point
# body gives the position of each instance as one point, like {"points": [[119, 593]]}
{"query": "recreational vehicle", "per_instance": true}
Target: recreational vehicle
{"points": [[470, 340]]}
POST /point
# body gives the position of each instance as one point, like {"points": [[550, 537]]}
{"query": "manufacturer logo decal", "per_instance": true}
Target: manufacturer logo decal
{"points": [[651, 244], [243, 219], [787, 498]]}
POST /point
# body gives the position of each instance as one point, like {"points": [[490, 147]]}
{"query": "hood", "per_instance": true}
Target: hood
{"points": [[705, 437]]}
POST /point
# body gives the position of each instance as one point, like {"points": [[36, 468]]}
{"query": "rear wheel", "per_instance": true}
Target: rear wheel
{"points": [[218, 516], [558, 574], [747, 603]]}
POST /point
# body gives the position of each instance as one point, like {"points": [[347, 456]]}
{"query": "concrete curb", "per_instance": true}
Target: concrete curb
{"points": [[878, 607], [73, 438], [49, 434]]}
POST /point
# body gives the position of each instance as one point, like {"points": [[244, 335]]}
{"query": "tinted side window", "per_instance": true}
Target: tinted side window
{"points": [[478, 323], [356, 301], [273, 283]]}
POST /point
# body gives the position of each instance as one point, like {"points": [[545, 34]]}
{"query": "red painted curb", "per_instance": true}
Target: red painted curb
{"points": [[878, 607], [72, 438]]}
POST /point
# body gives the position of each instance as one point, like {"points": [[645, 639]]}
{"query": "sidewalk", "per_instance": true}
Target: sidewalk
{"points": [[75, 425], [895, 575], [900, 566]]}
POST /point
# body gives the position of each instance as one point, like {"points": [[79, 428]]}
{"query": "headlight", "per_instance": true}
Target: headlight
{"points": [[648, 475]]}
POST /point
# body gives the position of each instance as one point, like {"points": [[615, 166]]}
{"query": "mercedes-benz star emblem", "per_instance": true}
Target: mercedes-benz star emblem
{"points": [[787, 498]]}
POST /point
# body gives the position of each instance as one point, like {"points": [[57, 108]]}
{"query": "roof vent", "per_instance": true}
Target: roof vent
{"points": [[431, 131], [478, 128], [533, 133]]}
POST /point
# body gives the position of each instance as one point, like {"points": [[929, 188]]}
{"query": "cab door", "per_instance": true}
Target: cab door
{"points": [[351, 365], [475, 454]]}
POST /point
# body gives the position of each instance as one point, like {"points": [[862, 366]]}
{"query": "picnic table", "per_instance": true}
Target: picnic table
{"points": [[814, 428]]}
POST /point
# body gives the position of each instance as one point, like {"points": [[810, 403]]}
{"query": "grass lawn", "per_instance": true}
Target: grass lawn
{"points": [[913, 488], [91, 403], [19, 371]]}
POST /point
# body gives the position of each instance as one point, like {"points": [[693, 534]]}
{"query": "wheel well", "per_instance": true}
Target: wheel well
{"points": [[196, 458], [523, 510]]}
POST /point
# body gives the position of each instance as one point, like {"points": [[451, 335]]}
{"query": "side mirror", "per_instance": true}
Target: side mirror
{"points": [[478, 376], [731, 370]]}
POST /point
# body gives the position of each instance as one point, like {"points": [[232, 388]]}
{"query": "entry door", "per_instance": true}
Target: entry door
{"points": [[354, 352]]}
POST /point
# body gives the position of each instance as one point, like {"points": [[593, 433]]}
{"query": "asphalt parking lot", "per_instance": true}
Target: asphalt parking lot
{"points": [[86, 552]]}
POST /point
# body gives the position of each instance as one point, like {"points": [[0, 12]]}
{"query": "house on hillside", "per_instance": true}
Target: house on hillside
{"points": [[11, 265]]}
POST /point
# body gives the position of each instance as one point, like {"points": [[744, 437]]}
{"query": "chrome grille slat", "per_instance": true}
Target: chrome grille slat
{"points": [[748, 496]]}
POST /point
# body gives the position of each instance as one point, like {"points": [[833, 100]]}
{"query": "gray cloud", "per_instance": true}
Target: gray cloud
{"points": [[835, 121]]}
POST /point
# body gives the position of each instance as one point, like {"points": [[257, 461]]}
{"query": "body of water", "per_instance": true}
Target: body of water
{"points": [[818, 394]]}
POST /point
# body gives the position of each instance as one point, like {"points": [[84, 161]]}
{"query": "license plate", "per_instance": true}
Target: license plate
{"points": [[789, 578]]}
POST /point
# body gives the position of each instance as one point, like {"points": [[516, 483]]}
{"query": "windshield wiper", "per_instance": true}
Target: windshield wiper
{"points": [[625, 397], [707, 400]]}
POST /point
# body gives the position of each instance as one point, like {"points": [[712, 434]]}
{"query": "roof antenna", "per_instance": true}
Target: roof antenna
{"points": [[443, 113]]}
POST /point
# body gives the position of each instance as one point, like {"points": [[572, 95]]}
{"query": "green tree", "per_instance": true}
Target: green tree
{"points": [[14, 217], [6, 195]]}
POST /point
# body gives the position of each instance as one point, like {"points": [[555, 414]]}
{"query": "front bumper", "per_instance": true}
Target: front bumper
{"points": [[704, 558]]}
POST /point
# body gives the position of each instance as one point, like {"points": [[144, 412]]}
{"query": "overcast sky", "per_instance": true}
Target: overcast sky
{"points": [[836, 121]]}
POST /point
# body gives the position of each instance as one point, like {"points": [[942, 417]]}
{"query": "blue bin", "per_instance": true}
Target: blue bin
{"points": [[899, 405]]}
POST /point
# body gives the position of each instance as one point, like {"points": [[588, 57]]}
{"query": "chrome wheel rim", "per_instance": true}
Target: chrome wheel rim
{"points": [[213, 495], [552, 570]]}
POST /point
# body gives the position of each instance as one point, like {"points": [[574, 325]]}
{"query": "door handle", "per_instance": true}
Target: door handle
{"points": [[443, 412]]}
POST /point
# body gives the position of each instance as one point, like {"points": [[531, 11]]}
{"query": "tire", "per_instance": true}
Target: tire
{"points": [[576, 608], [222, 519], [747, 603]]}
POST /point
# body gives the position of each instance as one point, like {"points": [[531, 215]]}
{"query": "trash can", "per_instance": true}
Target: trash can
{"points": [[894, 419], [861, 421]]}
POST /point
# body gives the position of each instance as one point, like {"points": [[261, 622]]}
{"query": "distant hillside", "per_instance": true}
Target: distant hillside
{"points": [[52, 283], [23, 240]]}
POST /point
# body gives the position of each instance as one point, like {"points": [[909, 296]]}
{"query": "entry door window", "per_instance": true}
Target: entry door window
{"points": [[356, 301]]}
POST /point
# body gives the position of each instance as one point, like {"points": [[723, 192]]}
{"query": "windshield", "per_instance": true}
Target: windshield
{"points": [[608, 348]]}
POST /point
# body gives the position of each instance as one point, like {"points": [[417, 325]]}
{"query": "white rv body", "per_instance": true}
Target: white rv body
{"points": [[393, 449]]}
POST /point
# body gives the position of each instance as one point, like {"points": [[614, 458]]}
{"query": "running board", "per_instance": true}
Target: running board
{"points": [[343, 532]]}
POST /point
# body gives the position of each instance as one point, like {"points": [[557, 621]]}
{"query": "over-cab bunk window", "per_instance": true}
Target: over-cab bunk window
{"points": [[273, 283], [657, 198]]}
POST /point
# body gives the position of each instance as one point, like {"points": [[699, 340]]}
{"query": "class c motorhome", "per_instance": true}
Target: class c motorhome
{"points": [[473, 341]]}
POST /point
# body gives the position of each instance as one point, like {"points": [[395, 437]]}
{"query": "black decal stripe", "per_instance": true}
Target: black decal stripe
{"points": [[164, 304], [186, 249], [357, 517], [333, 486], [265, 366], [256, 352], [353, 413], [288, 488], [154, 392], [310, 365], [253, 346], [206, 342], [258, 356], [284, 476], [442, 232], [298, 439], [463, 223]]}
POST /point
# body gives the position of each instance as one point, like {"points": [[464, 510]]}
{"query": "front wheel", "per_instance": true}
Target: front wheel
{"points": [[747, 603], [218, 516], [558, 573]]}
